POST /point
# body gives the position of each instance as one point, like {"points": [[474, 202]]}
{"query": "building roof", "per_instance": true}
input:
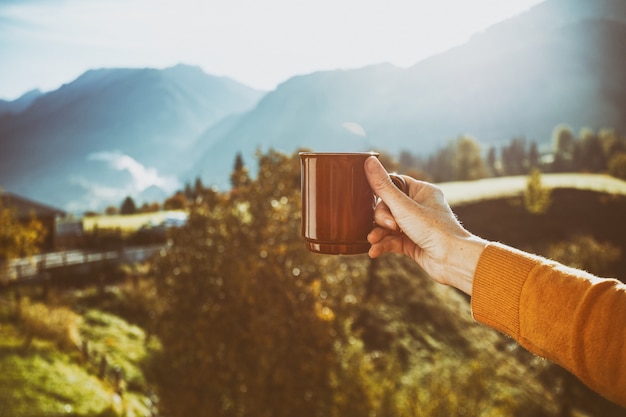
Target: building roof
{"points": [[26, 208]]}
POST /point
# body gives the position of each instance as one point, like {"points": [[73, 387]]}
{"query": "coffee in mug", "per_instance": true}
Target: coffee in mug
{"points": [[337, 202]]}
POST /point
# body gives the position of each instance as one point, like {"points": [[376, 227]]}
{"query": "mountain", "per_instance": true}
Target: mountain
{"points": [[117, 132], [113, 132], [561, 61], [20, 103]]}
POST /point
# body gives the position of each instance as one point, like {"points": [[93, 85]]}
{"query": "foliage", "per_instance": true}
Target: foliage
{"points": [[515, 158], [469, 164], [459, 160], [537, 198], [128, 206], [46, 380], [176, 202], [253, 324], [19, 238], [617, 166], [57, 324], [585, 252], [244, 330]]}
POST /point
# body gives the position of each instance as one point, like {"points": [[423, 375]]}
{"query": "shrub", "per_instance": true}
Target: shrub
{"points": [[537, 198], [585, 252], [57, 324], [617, 166]]}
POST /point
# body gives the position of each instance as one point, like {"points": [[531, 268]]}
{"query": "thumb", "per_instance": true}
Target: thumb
{"points": [[381, 183]]}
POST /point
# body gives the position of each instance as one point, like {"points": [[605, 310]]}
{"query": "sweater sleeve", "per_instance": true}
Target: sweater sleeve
{"points": [[563, 314]]}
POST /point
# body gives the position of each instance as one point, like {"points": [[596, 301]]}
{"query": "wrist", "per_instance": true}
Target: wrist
{"points": [[462, 259]]}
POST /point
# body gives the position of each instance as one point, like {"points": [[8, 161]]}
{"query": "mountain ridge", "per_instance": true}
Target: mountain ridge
{"points": [[560, 62], [150, 116], [520, 77]]}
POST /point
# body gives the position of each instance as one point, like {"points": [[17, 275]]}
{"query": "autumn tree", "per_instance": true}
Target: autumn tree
{"points": [[176, 202], [244, 328], [19, 238]]}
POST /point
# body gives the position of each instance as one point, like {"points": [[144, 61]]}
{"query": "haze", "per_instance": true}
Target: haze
{"points": [[45, 43]]}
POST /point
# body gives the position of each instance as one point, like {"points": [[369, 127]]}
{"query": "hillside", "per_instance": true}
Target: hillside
{"points": [[560, 62], [413, 346]]}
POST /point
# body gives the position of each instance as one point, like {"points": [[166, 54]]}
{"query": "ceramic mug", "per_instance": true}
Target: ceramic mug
{"points": [[338, 202]]}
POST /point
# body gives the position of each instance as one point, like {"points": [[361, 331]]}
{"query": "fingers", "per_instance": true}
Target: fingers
{"points": [[383, 216], [383, 241]]}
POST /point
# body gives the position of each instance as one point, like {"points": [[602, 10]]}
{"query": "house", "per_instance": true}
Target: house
{"points": [[26, 209]]}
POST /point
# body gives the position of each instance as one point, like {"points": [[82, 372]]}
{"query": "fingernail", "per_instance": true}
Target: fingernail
{"points": [[370, 163]]}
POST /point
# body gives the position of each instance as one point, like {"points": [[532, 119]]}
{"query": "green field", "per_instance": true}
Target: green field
{"points": [[127, 222], [460, 192]]}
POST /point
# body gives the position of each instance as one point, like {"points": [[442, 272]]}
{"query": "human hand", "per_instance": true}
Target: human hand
{"points": [[421, 225]]}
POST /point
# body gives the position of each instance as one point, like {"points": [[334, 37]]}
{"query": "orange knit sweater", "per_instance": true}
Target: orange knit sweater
{"points": [[567, 316]]}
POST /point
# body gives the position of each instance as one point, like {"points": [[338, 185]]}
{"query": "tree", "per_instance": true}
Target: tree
{"points": [[492, 162], [128, 206], [617, 166], [469, 164], [537, 198], [563, 142], [244, 330], [514, 157], [176, 202], [19, 238], [533, 155], [441, 164], [239, 177], [589, 154]]}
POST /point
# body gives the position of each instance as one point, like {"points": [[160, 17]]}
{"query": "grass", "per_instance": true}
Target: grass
{"points": [[125, 223], [462, 192], [46, 378]]}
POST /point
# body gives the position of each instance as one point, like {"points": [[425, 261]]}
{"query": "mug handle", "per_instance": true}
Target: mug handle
{"points": [[400, 183]]}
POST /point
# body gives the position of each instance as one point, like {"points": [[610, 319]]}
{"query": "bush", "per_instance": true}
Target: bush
{"points": [[584, 252], [537, 198], [57, 324], [617, 166]]}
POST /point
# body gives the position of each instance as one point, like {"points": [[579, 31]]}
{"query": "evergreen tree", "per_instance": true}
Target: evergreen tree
{"points": [[514, 157], [128, 206], [239, 177], [563, 141]]}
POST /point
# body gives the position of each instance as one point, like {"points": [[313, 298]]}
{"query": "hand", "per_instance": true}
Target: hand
{"points": [[421, 225]]}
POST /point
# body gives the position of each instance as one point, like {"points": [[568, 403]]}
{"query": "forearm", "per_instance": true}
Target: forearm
{"points": [[562, 314]]}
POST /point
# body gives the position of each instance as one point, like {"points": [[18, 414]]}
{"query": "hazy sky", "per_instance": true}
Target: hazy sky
{"points": [[45, 43]]}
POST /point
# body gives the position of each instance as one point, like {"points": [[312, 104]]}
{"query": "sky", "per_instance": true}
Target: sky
{"points": [[261, 43]]}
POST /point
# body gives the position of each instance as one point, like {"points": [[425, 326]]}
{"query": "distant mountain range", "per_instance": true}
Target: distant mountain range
{"points": [[563, 61], [113, 132]]}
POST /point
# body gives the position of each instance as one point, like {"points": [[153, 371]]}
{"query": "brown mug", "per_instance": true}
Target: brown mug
{"points": [[338, 202]]}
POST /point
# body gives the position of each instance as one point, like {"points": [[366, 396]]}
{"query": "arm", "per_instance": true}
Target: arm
{"points": [[566, 315], [563, 314]]}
